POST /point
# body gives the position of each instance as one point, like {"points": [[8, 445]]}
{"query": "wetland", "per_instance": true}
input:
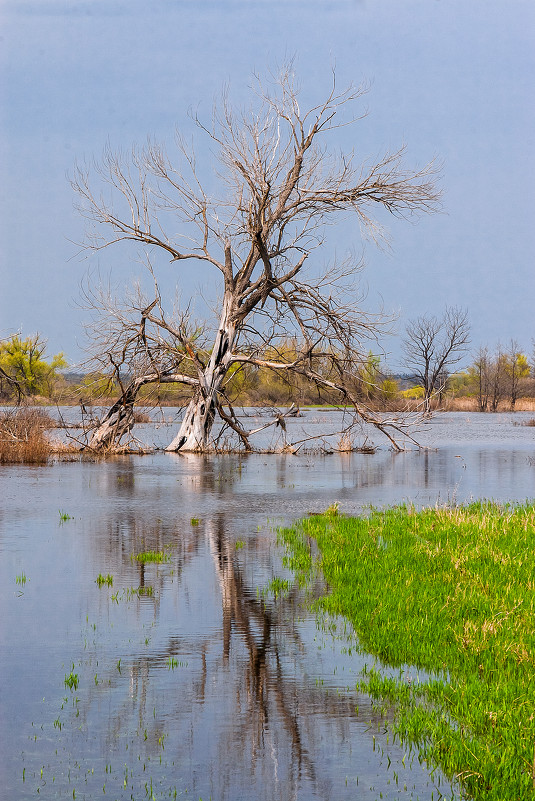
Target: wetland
{"points": [[145, 650]]}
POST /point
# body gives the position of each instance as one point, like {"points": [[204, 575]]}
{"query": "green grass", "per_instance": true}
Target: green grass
{"points": [[101, 580], [452, 592]]}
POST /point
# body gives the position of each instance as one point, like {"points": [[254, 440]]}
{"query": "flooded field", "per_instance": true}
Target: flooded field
{"points": [[127, 678]]}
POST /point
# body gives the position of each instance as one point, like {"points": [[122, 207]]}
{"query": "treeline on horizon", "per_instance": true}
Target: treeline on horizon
{"points": [[494, 380]]}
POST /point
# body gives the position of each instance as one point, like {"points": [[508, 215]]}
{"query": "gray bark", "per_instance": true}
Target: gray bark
{"points": [[196, 426], [117, 422]]}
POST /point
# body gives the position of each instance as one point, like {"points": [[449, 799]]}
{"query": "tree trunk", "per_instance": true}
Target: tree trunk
{"points": [[195, 429], [196, 426], [117, 422]]}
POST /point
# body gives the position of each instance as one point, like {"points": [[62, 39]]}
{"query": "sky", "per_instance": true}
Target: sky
{"points": [[449, 79]]}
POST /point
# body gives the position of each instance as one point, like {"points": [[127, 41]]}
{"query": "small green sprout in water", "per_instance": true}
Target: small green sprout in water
{"points": [[239, 544], [22, 579], [173, 663], [278, 586], [100, 580], [194, 521], [139, 592], [63, 516], [71, 680], [151, 556]]}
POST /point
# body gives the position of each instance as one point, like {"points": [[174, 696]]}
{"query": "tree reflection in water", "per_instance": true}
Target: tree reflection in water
{"points": [[229, 698], [205, 685]]}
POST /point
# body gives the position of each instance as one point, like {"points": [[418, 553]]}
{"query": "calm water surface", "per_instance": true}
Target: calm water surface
{"points": [[202, 686]]}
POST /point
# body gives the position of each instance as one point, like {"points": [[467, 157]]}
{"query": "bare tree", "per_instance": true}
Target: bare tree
{"points": [[282, 187], [480, 373], [498, 375], [517, 369], [433, 346]]}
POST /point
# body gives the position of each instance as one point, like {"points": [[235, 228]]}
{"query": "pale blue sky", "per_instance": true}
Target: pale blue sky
{"points": [[449, 78]]}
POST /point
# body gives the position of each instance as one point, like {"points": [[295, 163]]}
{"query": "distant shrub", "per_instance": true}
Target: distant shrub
{"points": [[414, 393], [141, 417]]}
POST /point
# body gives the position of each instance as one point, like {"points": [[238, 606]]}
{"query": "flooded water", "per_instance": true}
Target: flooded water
{"points": [[184, 679]]}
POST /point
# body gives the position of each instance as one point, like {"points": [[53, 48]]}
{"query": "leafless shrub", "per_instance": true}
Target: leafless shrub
{"points": [[22, 436]]}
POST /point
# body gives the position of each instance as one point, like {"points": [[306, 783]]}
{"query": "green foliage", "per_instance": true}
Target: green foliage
{"points": [[414, 393], [518, 364], [389, 389], [450, 591], [369, 375], [24, 361]]}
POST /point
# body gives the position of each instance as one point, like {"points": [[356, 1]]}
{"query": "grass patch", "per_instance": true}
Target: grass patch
{"points": [[101, 580], [452, 592], [151, 556], [22, 436]]}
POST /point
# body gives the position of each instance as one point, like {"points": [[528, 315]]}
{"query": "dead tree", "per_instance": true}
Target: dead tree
{"points": [[282, 187], [433, 346]]}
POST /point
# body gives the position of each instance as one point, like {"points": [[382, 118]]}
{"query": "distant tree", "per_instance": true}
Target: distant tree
{"points": [[498, 375], [433, 345], [24, 368], [480, 374], [389, 389], [498, 378], [369, 374], [517, 369], [281, 185]]}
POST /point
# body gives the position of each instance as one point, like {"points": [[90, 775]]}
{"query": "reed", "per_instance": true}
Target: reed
{"points": [[450, 591]]}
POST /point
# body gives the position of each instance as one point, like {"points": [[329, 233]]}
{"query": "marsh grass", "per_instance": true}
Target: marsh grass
{"points": [[452, 592], [22, 436]]}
